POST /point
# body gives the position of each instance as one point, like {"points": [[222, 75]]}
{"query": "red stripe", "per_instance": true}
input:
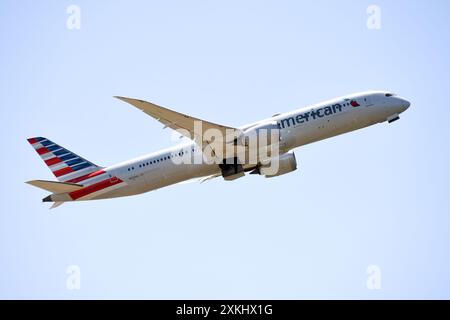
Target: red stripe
{"points": [[42, 150], [32, 140], [93, 188], [87, 176], [62, 171], [52, 161]]}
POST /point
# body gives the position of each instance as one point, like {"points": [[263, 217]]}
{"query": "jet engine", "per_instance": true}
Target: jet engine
{"points": [[277, 166]]}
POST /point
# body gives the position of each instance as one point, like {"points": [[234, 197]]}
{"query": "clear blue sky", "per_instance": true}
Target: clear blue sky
{"points": [[378, 196]]}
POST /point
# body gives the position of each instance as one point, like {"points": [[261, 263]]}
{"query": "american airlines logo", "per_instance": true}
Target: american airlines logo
{"points": [[354, 103], [312, 115]]}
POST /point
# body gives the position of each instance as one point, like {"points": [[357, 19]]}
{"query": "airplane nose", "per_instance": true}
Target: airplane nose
{"points": [[404, 104]]}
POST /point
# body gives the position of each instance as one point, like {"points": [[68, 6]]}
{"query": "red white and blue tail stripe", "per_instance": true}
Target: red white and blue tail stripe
{"points": [[64, 164]]}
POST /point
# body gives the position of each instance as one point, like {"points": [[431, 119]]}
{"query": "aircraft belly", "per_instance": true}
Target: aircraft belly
{"points": [[182, 172], [174, 173]]}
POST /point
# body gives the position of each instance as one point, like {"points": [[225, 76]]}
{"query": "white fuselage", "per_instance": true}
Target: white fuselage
{"points": [[297, 128]]}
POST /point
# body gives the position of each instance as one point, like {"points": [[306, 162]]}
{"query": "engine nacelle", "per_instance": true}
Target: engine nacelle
{"points": [[286, 163]]}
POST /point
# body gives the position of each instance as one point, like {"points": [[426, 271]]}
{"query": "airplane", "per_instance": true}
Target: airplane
{"points": [[80, 179]]}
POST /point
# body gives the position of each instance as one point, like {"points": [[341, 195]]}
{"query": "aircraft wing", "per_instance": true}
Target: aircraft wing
{"points": [[176, 121]]}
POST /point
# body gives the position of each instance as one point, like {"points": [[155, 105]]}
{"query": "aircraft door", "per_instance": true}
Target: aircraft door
{"points": [[368, 101], [112, 178]]}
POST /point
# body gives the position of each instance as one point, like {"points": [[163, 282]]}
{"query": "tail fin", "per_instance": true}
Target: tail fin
{"points": [[64, 164]]}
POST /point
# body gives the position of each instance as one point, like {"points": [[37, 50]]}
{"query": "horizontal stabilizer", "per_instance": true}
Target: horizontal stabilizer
{"points": [[54, 186], [56, 204]]}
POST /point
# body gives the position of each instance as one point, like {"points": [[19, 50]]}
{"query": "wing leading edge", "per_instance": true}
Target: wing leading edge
{"points": [[176, 120]]}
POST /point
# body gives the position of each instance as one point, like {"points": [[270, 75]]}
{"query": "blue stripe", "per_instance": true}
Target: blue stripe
{"points": [[68, 157], [65, 154], [81, 166], [61, 152], [46, 143], [54, 148], [74, 161]]}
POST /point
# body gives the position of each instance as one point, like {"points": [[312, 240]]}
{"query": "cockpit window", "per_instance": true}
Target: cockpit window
{"points": [[389, 94]]}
